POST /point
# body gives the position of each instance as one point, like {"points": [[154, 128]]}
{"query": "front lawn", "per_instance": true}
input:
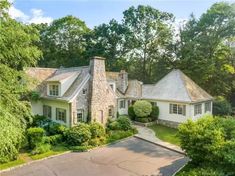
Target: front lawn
{"points": [[11, 164], [166, 134]]}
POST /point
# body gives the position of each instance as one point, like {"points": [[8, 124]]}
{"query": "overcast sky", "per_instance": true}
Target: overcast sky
{"points": [[95, 12]]}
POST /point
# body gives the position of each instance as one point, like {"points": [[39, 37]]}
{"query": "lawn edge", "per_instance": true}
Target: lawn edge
{"points": [[161, 145], [70, 151]]}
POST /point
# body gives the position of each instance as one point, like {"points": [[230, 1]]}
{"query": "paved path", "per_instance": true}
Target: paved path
{"points": [[149, 135], [131, 157]]}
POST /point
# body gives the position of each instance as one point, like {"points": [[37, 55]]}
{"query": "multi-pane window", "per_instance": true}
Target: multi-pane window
{"points": [[54, 90], [61, 114], [47, 111], [177, 109], [197, 109], [154, 103], [80, 115], [122, 104], [208, 106], [110, 111]]}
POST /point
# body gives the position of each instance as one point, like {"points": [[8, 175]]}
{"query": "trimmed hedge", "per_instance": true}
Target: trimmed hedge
{"points": [[142, 108], [35, 136]]}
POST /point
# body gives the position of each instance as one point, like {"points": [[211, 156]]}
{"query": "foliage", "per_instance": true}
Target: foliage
{"points": [[204, 52], [143, 119], [63, 42], [113, 125], [41, 148], [34, 95], [54, 128], [201, 172], [97, 130], [209, 141], [221, 106], [11, 163], [131, 112], [142, 108], [155, 113], [40, 121], [11, 135], [78, 135], [166, 134], [35, 136], [54, 140], [124, 123]]}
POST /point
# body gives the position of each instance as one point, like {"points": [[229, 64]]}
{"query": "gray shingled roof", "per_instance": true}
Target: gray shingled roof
{"points": [[175, 86], [42, 75]]}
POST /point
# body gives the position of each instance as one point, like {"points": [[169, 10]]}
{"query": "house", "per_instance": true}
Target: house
{"points": [[89, 93]]}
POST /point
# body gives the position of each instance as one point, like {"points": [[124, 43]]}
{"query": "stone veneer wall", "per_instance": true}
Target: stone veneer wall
{"points": [[168, 123], [102, 96]]}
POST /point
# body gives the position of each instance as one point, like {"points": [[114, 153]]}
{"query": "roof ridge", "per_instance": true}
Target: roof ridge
{"points": [[183, 80]]}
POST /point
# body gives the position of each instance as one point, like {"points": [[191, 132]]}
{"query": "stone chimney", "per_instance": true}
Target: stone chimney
{"points": [[122, 82], [101, 95]]}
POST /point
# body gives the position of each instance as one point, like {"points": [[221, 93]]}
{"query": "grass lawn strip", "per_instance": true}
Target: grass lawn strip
{"points": [[166, 134]]}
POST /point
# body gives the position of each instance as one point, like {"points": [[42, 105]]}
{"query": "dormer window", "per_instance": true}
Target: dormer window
{"points": [[54, 90]]}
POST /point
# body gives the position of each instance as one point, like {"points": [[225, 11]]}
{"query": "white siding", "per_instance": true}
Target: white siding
{"points": [[122, 111], [164, 112], [37, 108]]}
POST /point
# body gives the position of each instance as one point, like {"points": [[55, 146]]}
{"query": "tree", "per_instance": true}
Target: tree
{"points": [[107, 40], [63, 42], [148, 40], [17, 51], [203, 52]]}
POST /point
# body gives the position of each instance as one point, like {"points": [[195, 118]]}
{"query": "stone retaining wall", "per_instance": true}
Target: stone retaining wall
{"points": [[167, 123]]}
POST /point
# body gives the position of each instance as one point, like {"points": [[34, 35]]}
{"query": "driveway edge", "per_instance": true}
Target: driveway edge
{"points": [[161, 145]]}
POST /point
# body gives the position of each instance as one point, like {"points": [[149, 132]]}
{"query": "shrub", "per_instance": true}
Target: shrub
{"points": [[142, 108], [54, 140], [143, 120], [40, 121], [97, 141], [114, 125], [97, 130], [54, 128], [35, 136], [209, 141], [78, 135], [155, 113], [131, 112], [221, 106], [124, 123], [201, 172], [41, 148]]}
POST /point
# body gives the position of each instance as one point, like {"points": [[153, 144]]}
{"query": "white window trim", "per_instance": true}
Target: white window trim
{"points": [[122, 104], [207, 106], [175, 108], [82, 112], [197, 109], [57, 115], [48, 89]]}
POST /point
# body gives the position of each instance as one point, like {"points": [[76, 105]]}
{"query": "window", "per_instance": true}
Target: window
{"points": [[122, 104], [80, 115], [84, 91], [110, 111], [208, 106], [61, 114], [197, 109], [177, 109], [54, 90], [47, 111], [154, 103]]}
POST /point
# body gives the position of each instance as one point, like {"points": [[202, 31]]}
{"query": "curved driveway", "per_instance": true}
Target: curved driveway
{"points": [[126, 158]]}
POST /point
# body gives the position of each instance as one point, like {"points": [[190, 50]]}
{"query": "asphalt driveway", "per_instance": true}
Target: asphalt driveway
{"points": [[130, 157]]}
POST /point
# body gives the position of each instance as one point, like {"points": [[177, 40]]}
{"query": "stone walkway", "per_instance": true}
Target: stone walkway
{"points": [[149, 135]]}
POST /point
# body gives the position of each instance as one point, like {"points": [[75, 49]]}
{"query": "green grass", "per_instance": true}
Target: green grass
{"points": [[54, 151], [166, 134], [12, 164]]}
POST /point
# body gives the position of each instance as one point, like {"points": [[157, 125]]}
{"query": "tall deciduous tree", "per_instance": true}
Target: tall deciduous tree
{"points": [[63, 42], [203, 51], [149, 36], [17, 51]]}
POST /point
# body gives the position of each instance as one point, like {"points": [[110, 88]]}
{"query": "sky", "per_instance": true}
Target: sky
{"points": [[95, 12]]}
